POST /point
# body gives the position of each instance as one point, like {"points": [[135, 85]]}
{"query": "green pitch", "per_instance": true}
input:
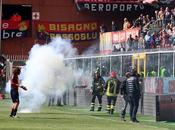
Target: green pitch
{"points": [[73, 118]]}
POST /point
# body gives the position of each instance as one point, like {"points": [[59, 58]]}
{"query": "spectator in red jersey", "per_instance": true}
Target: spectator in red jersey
{"points": [[16, 18], [14, 91]]}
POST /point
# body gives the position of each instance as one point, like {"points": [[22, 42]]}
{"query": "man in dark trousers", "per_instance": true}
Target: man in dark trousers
{"points": [[123, 94], [14, 91], [112, 90], [133, 95], [97, 90]]}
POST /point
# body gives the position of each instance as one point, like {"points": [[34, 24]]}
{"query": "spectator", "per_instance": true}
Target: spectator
{"points": [[156, 39], [141, 43], [144, 21], [156, 14], [147, 18], [161, 16], [164, 39], [126, 24], [173, 17], [115, 48], [148, 40], [136, 40], [130, 43], [122, 47], [172, 37], [152, 20], [167, 16], [114, 26], [103, 29]]}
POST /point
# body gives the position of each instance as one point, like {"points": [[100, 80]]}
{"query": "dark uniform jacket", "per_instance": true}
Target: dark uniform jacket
{"points": [[132, 87], [112, 87], [123, 88], [98, 85]]}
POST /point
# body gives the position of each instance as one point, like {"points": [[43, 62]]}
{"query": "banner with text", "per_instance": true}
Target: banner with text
{"points": [[74, 31], [122, 36], [109, 39], [109, 1], [109, 5], [12, 29]]}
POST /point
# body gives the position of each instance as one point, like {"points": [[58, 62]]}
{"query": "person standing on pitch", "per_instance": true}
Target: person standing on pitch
{"points": [[112, 89], [14, 91], [133, 95], [123, 94], [97, 90]]}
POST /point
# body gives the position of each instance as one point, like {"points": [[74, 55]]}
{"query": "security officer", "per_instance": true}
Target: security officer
{"points": [[112, 89], [123, 94], [139, 80], [133, 95], [97, 90]]}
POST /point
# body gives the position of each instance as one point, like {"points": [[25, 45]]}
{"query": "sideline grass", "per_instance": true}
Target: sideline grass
{"points": [[73, 118]]}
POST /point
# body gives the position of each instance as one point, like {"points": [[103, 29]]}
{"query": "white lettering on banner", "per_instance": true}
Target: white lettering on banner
{"points": [[122, 7], [6, 35], [129, 6], [113, 7], [141, 7], [108, 7], [101, 6], [93, 7], [135, 6], [5, 25], [87, 6]]}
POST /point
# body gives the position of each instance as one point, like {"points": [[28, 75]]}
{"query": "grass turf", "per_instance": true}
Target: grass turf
{"points": [[73, 118]]}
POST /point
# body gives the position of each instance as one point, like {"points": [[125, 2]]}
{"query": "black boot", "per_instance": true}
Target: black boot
{"points": [[112, 111], [12, 113], [15, 111], [92, 108], [99, 108], [135, 120]]}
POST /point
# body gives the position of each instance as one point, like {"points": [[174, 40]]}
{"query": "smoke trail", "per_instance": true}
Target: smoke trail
{"points": [[45, 73], [94, 49]]}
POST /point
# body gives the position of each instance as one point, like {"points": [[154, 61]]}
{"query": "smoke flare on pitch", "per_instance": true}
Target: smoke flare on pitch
{"points": [[45, 73]]}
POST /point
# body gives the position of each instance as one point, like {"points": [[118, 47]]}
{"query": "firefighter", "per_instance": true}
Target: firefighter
{"points": [[97, 90], [112, 89]]}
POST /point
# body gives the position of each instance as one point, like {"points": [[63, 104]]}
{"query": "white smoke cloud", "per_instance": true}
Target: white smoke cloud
{"points": [[92, 50], [45, 73]]}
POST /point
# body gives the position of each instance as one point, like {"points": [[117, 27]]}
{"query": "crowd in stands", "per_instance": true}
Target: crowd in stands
{"points": [[156, 32]]}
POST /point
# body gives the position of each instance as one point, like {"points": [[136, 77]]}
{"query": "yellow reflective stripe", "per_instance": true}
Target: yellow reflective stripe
{"points": [[115, 87], [108, 87], [112, 106]]}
